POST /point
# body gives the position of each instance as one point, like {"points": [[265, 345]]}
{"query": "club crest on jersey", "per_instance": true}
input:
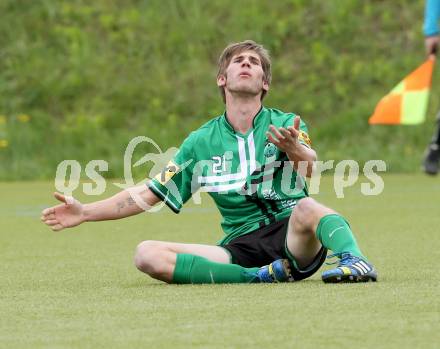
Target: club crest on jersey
{"points": [[167, 173], [270, 149]]}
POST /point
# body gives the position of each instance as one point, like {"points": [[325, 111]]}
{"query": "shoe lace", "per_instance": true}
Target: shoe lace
{"points": [[345, 258]]}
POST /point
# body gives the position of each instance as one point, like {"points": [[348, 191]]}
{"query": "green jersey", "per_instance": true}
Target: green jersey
{"points": [[251, 181]]}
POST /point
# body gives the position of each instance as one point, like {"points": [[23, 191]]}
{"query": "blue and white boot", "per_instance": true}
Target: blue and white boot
{"points": [[277, 271], [350, 269]]}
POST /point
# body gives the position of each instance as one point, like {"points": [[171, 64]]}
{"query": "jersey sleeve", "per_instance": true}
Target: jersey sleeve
{"points": [[303, 131], [432, 15], [173, 185]]}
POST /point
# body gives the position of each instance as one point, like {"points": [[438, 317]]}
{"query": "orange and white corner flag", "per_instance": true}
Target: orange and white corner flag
{"points": [[406, 104]]}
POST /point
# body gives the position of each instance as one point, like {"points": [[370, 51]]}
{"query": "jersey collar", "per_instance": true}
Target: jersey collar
{"points": [[256, 120]]}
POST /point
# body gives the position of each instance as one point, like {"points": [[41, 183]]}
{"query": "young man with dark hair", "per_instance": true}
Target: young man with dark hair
{"points": [[248, 160]]}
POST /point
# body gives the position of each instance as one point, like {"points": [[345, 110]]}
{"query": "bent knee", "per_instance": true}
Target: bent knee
{"points": [[306, 206], [147, 247], [147, 255], [309, 207], [307, 214]]}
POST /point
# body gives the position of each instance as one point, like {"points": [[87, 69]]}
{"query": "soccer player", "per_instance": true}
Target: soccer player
{"points": [[432, 39], [248, 160]]}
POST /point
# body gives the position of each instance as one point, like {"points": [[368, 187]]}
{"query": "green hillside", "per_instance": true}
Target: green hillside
{"points": [[79, 79]]}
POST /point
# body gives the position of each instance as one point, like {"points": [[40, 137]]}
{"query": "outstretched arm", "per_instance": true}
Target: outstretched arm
{"points": [[431, 26], [72, 212]]}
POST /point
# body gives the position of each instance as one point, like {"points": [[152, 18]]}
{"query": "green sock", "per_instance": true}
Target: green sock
{"points": [[334, 233], [191, 269]]}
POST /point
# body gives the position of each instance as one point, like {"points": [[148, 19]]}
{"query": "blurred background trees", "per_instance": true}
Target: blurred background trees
{"points": [[79, 79]]}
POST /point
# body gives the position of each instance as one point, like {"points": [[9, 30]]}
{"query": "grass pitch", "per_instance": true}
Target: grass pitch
{"points": [[79, 288]]}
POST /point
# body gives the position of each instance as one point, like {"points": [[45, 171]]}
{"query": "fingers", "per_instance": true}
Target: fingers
{"points": [[276, 133], [49, 219], [49, 215], [285, 133], [282, 137], [69, 200], [296, 122], [57, 227], [48, 211], [282, 133], [60, 197], [271, 138], [431, 43], [45, 217], [294, 132], [52, 222]]}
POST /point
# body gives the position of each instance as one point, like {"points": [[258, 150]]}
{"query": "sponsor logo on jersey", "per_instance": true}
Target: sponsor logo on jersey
{"points": [[167, 173], [270, 194]]}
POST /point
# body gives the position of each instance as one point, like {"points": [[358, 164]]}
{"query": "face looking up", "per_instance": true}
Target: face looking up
{"points": [[244, 75]]}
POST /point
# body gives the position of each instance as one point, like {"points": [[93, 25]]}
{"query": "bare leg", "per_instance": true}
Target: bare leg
{"points": [[301, 235], [158, 258]]}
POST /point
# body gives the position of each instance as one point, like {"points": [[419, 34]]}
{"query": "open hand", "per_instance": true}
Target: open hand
{"points": [[286, 139], [67, 215]]}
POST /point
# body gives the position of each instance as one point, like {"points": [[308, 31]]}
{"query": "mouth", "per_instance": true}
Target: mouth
{"points": [[245, 75]]}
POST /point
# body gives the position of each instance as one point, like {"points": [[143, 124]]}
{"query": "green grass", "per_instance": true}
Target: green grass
{"points": [[79, 288]]}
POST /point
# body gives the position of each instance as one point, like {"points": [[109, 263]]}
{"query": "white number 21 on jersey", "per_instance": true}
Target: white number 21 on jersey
{"points": [[219, 164]]}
